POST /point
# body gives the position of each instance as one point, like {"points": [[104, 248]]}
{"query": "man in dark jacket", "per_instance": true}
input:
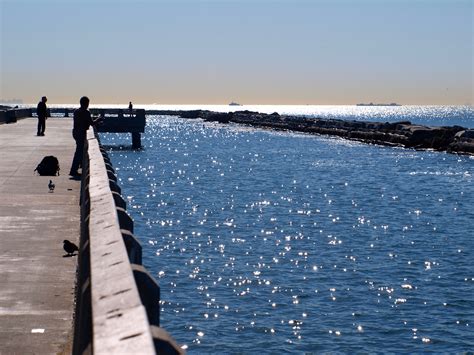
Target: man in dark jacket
{"points": [[42, 112], [82, 121]]}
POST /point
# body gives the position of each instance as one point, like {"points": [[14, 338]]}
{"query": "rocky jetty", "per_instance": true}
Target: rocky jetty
{"points": [[453, 139]]}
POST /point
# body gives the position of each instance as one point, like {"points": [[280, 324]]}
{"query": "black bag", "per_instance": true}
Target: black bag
{"points": [[49, 166]]}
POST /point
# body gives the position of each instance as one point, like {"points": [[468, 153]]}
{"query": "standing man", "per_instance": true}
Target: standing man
{"points": [[42, 112], [82, 122]]}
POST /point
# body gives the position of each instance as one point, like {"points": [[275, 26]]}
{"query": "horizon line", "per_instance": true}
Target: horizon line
{"points": [[375, 104]]}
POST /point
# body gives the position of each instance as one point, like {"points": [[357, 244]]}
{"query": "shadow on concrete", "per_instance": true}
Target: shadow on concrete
{"points": [[69, 255]]}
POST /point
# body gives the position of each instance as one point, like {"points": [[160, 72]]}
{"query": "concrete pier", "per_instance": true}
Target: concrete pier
{"points": [[36, 279], [116, 300]]}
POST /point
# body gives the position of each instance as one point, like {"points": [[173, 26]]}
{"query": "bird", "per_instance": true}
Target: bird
{"points": [[51, 186], [69, 247]]}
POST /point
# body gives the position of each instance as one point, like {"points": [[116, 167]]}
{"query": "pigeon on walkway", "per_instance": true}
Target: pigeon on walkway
{"points": [[69, 247], [51, 186]]}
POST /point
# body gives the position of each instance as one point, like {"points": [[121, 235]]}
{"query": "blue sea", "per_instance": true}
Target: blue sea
{"points": [[279, 242]]}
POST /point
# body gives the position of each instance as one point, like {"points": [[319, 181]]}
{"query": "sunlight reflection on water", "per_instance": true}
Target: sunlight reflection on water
{"points": [[424, 115], [288, 242]]}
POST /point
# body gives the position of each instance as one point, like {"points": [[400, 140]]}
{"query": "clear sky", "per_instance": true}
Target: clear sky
{"points": [[250, 51]]}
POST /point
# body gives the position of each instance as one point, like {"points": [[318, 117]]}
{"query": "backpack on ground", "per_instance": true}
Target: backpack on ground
{"points": [[49, 166]]}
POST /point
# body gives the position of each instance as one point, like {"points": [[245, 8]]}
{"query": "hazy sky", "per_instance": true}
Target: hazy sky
{"points": [[250, 51]]}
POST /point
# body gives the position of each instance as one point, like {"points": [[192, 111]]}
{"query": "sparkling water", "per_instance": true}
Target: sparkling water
{"points": [[424, 115], [282, 242]]}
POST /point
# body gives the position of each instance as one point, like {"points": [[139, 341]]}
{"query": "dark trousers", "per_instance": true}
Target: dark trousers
{"points": [[79, 137], [41, 124]]}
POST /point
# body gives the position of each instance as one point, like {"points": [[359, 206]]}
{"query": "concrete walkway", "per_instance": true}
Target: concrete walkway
{"points": [[36, 279]]}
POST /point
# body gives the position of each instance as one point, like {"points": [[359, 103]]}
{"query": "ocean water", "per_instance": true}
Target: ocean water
{"points": [[424, 115], [279, 242]]}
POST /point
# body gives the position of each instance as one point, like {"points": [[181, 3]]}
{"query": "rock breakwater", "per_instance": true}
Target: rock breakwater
{"points": [[452, 139]]}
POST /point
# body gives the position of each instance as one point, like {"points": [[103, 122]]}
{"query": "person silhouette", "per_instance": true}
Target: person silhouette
{"points": [[42, 112], [130, 108], [82, 121]]}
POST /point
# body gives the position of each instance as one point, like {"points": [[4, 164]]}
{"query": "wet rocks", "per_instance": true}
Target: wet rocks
{"points": [[454, 139], [463, 142]]}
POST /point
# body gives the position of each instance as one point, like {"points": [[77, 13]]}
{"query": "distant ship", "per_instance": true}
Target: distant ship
{"points": [[372, 104], [234, 104]]}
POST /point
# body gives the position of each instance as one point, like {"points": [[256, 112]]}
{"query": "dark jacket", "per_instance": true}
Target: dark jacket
{"points": [[82, 121], [41, 110]]}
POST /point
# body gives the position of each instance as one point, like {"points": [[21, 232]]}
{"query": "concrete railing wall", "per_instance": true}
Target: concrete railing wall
{"points": [[11, 116], [117, 309]]}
